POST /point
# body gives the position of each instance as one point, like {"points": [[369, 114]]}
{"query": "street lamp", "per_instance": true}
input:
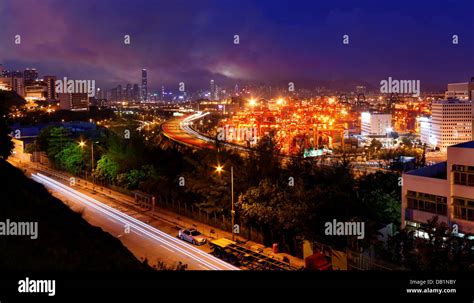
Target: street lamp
{"points": [[82, 144], [219, 169]]}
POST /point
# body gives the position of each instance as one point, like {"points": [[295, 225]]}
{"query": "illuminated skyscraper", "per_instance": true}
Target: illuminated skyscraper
{"points": [[212, 92], [144, 86], [51, 84], [30, 75]]}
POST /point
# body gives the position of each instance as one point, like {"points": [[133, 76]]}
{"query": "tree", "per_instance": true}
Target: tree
{"points": [[70, 158], [211, 189], [375, 145], [440, 251], [42, 141], [6, 144], [408, 140], [8, 101], [107, 169], [58, 140], [384, 207], [133, 178], [280, 213]]}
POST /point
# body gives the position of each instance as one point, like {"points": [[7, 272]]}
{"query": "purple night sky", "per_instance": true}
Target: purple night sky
{"points": [[280, 41]]}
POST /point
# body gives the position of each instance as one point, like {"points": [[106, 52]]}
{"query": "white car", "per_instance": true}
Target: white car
{"points": [[192, 235]]}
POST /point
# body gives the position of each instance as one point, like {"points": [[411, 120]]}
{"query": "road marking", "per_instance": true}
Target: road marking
{"points": [[169, 249]]}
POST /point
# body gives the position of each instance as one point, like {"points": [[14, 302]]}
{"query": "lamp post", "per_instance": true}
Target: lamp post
{"points": [[82, 144], [219, 169]]}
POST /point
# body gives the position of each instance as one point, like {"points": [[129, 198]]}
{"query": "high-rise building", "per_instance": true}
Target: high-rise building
{"points": [[37, 91], [128, 92], [136, 93], [451, 122], [360, 89], [445, 190], [375, 124], [461, 91], [13, 83], [5, 83], [50, 82], [113, 94], [119, 93], [144, 86], [18, 84], [30, 75], [212, 91], [426, 132], [73, 101]]}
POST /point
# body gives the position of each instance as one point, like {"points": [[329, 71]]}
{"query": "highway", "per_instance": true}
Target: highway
{"points": [[134, 232], [179, 130], [174, 130]]}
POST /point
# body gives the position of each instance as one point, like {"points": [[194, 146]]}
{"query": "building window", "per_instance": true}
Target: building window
{"points": [[463, 175], [427, 202], [464, 209]]}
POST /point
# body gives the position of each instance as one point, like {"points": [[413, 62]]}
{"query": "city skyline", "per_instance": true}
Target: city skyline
{"points": [[146, 145], [276, 44]]}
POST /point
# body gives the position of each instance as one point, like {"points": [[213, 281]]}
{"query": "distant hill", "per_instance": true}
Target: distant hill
{"points": [[65, 243]]}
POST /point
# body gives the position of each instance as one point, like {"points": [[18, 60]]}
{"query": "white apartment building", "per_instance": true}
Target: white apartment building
{"points": [[426, 132], [445, 190], [375, 124], [451, 122]]}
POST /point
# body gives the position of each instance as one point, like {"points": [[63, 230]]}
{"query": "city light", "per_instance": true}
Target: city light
{"points": [[349, 159]]}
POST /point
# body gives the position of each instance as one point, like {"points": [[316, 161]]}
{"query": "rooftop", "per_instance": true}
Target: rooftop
{"points": [[468, 144], [451, 101], [437, 171]]}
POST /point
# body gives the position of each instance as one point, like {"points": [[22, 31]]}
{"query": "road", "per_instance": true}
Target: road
{"points": [[174, 129], [179, 130], [154, 240]]}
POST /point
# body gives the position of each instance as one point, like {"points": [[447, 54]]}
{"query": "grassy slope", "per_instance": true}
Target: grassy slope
{"points": [[66, 242]]}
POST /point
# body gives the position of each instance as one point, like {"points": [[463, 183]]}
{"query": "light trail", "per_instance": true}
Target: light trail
{"points": [[185, 126], [186, 249]]}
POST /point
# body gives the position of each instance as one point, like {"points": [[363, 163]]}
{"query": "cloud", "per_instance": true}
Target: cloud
{"points": [[193, 41]]}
